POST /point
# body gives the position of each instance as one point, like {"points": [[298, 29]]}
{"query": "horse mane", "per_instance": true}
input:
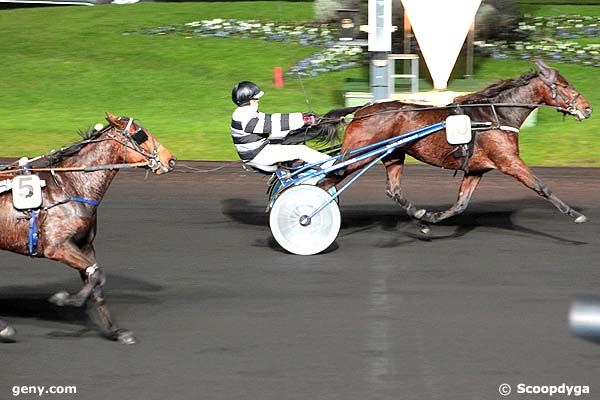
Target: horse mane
{"points": [[491, 92], [88, 133], [339, 113], [55, 156]]}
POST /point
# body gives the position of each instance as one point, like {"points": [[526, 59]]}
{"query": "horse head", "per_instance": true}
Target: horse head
{"points": [[560, 93], [140, 146]]}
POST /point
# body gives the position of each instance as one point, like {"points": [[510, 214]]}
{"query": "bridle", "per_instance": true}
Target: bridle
{"points": [[134, 141], [570, 102]]}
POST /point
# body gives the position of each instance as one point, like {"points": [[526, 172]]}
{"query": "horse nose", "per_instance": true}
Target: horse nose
{"points": [[172, 163], [588, 112]]}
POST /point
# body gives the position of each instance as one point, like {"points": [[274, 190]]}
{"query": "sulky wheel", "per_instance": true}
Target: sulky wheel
{"points": [[290, 227]]}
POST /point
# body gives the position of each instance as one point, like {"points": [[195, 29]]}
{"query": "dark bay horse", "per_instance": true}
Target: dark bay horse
{"points": [[66, 220], [494, 148]]}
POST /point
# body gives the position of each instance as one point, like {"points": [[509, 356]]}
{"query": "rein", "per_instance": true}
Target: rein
{"points": [[550, 83], [446, 107], [92, 168], [132, 141]]}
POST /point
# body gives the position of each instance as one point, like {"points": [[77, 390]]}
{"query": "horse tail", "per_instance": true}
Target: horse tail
{"points": [[330, 125], [326, 131]]}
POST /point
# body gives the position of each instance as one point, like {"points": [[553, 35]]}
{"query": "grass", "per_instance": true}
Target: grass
{"points": [[63, 67], [70, 65]]}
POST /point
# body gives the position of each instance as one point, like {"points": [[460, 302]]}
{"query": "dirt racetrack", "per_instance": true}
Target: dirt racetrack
{"points": [[222, 312]]}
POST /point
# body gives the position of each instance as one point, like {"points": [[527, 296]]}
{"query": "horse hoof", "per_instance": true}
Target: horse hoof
{"points": [[59, 298], [581, 219], [419, 213], [423, 227], [8, 334], [126, 337]]}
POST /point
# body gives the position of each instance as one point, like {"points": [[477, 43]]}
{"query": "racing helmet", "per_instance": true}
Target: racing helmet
{"points": [[245, 91]]}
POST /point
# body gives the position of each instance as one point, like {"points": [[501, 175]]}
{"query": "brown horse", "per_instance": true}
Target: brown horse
{"points": [[505, 105], [65, 223]]}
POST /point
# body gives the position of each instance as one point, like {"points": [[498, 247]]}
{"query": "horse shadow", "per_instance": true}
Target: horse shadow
{"points": [[359, 219], [31, 303]]}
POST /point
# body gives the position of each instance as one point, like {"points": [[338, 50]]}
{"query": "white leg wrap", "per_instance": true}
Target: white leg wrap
{"points": [[89, 271]]}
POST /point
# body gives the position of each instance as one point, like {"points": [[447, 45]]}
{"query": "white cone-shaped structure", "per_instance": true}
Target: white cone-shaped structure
{"points": [[440, 27]]}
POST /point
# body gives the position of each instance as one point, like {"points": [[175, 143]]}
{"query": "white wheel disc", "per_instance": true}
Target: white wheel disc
{"points": [[299, 201]]}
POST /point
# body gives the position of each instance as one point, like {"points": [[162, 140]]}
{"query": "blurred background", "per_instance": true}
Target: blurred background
{"points": [[172, 66]]}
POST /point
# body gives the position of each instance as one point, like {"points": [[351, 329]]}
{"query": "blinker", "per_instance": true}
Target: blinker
{"points": [[139, 136]]}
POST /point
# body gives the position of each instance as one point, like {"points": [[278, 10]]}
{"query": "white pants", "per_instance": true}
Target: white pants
{"points": [[275, 153]]}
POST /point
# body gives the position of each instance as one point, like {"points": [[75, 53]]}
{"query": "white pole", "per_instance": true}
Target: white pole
{"points": [[379, 45]]}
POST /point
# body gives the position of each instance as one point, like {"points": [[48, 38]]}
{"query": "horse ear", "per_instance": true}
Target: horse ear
{"points": [[114, 121], [545, 70]]}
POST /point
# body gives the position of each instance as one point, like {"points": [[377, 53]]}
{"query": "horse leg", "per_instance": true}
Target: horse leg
{"points": [[394, 168], [330, 181], [112, 331], [7, 333], [94, 279], [109, 327], [516, 167], [467, 187], [91, 273]]}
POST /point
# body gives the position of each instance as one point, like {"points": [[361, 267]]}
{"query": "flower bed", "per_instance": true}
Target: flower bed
{"points": [[553, 38]]}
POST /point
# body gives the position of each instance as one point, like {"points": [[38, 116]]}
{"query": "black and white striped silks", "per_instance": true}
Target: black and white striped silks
{"points": [[251, 129]]}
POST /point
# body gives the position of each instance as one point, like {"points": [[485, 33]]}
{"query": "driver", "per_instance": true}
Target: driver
{"points": [[251, 131]]}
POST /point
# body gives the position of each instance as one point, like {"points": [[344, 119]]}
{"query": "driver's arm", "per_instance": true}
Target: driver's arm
{"points": [[274, 126]]}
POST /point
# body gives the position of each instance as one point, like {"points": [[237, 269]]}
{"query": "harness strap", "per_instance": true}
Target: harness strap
{"points": [[33, 233], [508, 128], [76, 199], [465, 151], [33, 227], [85, 201]]}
